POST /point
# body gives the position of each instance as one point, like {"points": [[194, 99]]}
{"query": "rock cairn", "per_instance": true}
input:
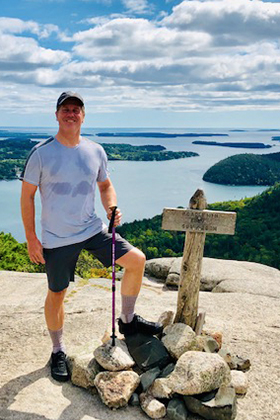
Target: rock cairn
{"points": [[173, 375]]}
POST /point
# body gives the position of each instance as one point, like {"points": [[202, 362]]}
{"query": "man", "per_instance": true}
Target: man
{"points": [[67, 168]]}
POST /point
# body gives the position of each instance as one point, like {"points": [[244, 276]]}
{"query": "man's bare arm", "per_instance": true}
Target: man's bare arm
{"points": [[34, 246], [109, 199]]}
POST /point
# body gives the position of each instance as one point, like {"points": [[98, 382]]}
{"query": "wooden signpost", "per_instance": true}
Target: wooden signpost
{"points": [[196, 221]]}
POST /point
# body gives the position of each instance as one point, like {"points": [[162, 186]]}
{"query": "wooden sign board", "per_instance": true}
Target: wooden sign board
{"points": [[208, 221]]}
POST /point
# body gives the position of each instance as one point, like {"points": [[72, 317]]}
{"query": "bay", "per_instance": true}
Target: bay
{"points": [[145, 188]]}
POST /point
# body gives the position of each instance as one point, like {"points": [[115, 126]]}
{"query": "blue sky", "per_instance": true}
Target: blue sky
{"points": [[142, 63]]}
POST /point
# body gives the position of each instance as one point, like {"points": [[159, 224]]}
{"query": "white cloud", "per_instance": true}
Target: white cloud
{"points": [[233, 21], [204, 55], [136, 39], [22, 51], [18, 26], [137, 6]]}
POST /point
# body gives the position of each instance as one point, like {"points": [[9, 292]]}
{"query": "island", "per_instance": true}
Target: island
{"points": [[232, 144], [246, 169], [14, 150], [275, 138], [160, 135], [265, 130]]}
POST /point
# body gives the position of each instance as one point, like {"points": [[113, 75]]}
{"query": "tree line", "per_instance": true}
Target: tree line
{"points": [[14, 151], [245, 169]]}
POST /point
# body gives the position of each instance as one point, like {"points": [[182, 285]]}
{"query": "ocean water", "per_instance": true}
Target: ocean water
{"points": [[145, 188]]}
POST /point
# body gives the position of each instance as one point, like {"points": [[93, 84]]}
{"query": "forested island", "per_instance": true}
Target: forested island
{"points": [[233, 144], [245, 169], [142, 153], [160, 135], [14, 150], [256, 238]]}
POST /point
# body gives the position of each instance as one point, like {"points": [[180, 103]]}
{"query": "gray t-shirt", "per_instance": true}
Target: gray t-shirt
{"points": [[67, 178]]}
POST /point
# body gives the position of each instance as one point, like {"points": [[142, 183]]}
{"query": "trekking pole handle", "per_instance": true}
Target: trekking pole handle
{"points": [[112, 220]]}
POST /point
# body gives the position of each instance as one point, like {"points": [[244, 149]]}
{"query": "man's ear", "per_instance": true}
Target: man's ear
{"points": [[56, 115]]}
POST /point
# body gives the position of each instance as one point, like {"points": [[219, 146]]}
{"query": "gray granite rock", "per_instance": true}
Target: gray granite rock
{"points": [[148, 377], [159, 267], [167, 370], [221, 407], [176, 410], [197, 372], [84, 369], [220, 276], [116, 388], [178, 339], [114, 358], [152, 407], [239, 276]]}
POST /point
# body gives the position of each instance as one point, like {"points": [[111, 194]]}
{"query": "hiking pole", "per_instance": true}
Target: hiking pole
{"points": [[112, 230]]}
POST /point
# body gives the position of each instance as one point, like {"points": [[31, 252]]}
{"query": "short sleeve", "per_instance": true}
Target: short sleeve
{"points": [[103, 172], [32, 169]]}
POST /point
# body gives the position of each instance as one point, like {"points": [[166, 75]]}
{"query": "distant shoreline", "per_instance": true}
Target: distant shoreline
{"points": [[239, 145], [160, 135]]}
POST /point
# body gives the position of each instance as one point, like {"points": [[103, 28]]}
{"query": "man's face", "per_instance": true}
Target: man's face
{"points": [[70, 114]]}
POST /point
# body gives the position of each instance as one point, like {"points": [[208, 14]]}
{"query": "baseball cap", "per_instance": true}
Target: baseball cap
{"points": [[68, 95]]}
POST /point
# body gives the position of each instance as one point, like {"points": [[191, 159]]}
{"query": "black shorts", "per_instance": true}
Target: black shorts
{"points": [[61, 261]]}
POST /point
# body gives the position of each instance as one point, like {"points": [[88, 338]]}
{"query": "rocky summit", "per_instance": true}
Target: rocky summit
{"points": [[243, 322]]}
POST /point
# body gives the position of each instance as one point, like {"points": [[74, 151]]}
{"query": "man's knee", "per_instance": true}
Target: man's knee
{"points": [[133, 260], [56, 297]]}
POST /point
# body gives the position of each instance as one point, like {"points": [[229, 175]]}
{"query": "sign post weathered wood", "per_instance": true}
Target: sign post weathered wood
{"points": [[196, 221]]}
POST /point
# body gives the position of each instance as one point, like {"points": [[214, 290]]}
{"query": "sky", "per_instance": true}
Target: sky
{"points": [[142, 63]]}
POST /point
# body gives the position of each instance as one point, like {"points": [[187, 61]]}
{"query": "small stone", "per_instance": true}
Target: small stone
{"points": [[226, 355], [148, 377], [160, 388], [152, 407], [221, 407], [239, 363], [134, 400], [239, 381], [178, 339], [176, 410], [167, 371], [210, 345], [205, 343], [116, 388], [84, 369], [166, 318], [234, 362], [114, 358], [198, 372], [217, 335]]}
